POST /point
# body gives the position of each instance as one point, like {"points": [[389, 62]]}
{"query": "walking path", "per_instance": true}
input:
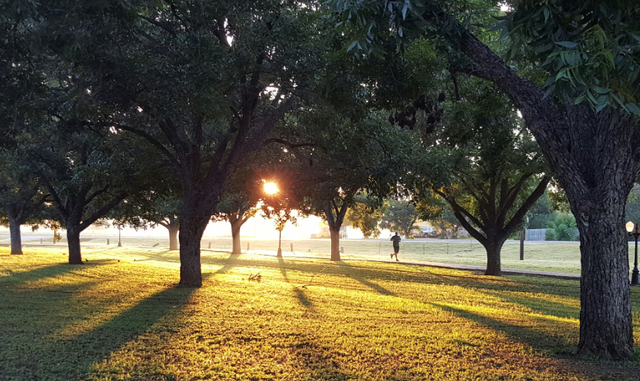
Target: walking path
{"points": [[546, 274]]}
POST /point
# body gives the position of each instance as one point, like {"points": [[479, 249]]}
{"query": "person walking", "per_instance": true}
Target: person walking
{"points": [[396, 245]]}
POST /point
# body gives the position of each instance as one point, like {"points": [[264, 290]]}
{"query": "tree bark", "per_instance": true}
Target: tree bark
{"points": [[236, 225], [14, 232], [73, 242], [335, 243], [596, 159], [493, 246], [173, 237], [606, 327], [193, 221]]}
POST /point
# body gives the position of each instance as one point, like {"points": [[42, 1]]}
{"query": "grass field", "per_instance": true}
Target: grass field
{"points": [[542, 256], [121, 317]]}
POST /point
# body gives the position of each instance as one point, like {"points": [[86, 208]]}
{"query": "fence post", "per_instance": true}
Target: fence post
{"points": [[522, 245], [292, 247], [248, 246]]}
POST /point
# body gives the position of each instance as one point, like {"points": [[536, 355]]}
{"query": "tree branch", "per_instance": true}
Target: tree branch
{"points": [[102, 211], [524, 208]]}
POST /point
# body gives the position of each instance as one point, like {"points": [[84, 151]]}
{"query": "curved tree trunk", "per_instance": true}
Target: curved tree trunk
{"points": [[16, 238], [173, 237], [73, 242], [335, 243], [596, 159]]}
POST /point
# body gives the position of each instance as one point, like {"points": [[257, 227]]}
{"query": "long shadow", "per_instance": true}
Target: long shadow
{"points": [[30, 317], [546, 307], [15, 278], [74, 358], [228, 264], [354, 274], [535, 339], [300, 295]]}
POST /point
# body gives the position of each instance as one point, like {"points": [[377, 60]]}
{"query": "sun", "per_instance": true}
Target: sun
{"points": [[270, 188]]}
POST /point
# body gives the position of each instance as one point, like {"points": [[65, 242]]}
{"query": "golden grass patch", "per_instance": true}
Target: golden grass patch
{"points": [[119, 319]]}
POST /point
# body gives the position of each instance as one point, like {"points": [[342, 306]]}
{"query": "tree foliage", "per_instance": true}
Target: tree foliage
{"points": [[400, 216], [366, 214]]}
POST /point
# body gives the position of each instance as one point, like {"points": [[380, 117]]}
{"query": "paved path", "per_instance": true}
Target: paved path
{"points": [[546, 274]]}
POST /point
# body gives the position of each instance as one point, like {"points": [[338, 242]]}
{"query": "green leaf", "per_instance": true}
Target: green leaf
{"points": [[567, 44], [601, 90], [633, 108]]}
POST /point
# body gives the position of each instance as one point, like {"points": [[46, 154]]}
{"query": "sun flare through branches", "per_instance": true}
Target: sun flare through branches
{"points": [[270, 187]]}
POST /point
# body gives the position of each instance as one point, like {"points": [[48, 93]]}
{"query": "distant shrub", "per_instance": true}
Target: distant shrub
{"points": [[563, 228]]}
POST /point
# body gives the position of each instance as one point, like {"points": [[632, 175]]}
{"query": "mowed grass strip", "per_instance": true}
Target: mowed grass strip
{"points": [[121, 317]]}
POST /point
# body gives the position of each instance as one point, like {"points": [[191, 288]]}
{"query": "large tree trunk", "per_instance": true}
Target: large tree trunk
{"points": [[493, 246], [605, 316], [596, 160], [597, 171], [14, 232], [606, 327], [335, 243], [73, 242], [193, 221], [173, 237], [236, 224]]}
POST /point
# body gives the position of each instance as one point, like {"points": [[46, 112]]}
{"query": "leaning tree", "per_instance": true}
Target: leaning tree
{"points": [[581, 107]]}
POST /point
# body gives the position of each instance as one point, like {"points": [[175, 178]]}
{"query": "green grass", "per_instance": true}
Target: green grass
{"points": [[121, 317], [541, 256]]}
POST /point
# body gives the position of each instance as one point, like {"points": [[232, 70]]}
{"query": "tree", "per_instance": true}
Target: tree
{"points": [[400, 216], [22, 97], [584, 117], [20, 196], [494, 171], [366, 214], [202, 82], [279, 207], [240, 202], [434, 209], [86, 173], [150, 208], [342, 157], [541, 213]]}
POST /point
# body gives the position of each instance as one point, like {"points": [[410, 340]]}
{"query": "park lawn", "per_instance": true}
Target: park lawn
{"points": [[541, 256], [121, 317]]}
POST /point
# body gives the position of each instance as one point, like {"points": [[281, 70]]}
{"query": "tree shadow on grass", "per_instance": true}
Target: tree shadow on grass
{"points": [[31, 350], [355, 274], [83, 351], [228, 264], [546, 307], [300, 295], [535, 339], [15, 278]]}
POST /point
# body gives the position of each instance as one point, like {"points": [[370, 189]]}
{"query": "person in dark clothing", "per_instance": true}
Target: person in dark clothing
{"points": [[396, 245]]}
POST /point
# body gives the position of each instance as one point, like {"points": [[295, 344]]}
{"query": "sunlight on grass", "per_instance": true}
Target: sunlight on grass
{"points": [[116, 318]]}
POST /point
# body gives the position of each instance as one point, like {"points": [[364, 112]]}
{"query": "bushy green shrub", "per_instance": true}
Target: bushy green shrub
{"points": [[563, 228]]}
